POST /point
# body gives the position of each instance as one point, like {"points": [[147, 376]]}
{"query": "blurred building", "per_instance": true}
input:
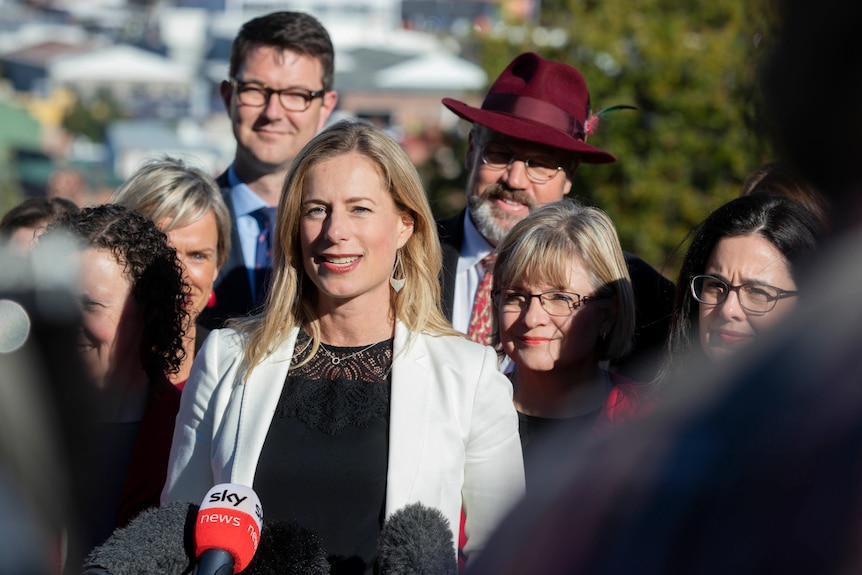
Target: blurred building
{"points": [[160, 64]]}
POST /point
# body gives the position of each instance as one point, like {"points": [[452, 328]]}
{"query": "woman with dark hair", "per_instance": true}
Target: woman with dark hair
{"points": [[131, 293], [23, 224], [738, 276]]}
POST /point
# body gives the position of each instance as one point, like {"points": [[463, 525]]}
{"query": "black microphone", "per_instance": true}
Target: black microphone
{"points": [[416, 540], [156, 542], [288, 549]]}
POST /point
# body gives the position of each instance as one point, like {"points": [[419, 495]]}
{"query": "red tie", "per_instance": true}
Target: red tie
{"points": [[480, 319]]}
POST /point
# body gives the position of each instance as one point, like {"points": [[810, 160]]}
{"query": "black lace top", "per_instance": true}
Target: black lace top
{"points": [[325, 458]]}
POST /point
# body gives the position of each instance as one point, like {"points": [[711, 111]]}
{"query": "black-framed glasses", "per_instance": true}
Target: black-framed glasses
{"points": [[257, 95], [540, 168], [554, 302], [756, 298]]}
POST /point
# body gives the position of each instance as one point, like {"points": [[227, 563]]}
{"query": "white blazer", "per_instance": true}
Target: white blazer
{"points": [[453, 427]]}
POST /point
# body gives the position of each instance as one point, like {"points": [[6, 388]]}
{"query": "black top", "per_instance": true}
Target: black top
{"points": [[325, 458], [533, 428], [538, 433]]}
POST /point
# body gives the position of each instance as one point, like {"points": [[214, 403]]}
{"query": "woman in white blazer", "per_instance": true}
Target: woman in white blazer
{"points": [[349, 395]]}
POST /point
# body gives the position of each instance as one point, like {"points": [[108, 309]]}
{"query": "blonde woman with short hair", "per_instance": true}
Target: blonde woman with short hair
{"points": [[565, 308], [186, 204]]}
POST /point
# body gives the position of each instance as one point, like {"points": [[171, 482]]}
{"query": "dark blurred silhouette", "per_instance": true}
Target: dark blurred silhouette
{"points": [[754, 466], [45, 409], [780, 179]]}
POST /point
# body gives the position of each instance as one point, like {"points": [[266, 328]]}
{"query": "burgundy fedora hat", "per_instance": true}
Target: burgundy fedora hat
{"points": [[540, 101]]}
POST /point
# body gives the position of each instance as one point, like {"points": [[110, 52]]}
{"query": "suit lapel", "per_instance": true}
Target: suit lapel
{"points": [[232, 287], [409, 417], [451, 232], [260, 396]]}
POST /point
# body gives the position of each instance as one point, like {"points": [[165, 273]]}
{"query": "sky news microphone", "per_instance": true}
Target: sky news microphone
{"points": [[227, 531], [416, 540]]}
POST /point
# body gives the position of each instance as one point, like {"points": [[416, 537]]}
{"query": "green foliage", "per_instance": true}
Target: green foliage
{"points": [[690, 68], [91, 117], [10, 193]]}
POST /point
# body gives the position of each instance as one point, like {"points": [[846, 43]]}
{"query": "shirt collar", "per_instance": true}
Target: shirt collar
{"points": [[245, 201], [475, 245]]}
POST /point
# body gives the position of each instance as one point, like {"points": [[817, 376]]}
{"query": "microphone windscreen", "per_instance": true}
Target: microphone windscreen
{"points": [[156, 542], [288, 549], [416, 540], [230, 519]]}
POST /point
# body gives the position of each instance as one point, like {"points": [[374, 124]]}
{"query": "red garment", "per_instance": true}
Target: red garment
{"points": [[149, 465], [625, 402]]}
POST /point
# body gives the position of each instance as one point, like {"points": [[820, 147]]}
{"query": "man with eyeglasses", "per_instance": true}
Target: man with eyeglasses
{"points": [[278, 96], [527, 141]]}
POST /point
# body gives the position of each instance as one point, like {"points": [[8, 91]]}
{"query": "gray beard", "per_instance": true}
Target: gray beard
{"points": [[487, 219]]}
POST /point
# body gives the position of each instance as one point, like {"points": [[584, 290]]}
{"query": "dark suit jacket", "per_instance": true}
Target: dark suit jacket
{"points": [[232, 286], [653, 292]]}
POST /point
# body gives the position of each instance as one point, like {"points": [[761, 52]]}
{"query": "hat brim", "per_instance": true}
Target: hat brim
{"points": [[529, 130]]}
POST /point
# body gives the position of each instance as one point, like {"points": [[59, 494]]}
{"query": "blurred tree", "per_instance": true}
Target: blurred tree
{"points": [[689, 68], [90, 117], [10, 192]]}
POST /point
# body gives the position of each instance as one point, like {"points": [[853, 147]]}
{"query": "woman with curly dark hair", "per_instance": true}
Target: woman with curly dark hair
{"points": [[131, 292]]}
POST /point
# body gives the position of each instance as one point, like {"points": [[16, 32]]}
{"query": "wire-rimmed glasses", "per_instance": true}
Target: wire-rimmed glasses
{"points": [[559, 303], [540, 168]]}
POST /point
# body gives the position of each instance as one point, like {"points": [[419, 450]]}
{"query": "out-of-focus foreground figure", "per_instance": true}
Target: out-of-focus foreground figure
{"points": [[756, 469]]}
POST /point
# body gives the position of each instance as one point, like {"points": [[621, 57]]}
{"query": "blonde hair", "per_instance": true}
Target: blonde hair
{"points": [[541, 247], [291, 297], [174, 195]]}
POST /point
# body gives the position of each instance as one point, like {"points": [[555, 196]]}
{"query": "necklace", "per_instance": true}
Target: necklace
{"points": [[335, 360]]}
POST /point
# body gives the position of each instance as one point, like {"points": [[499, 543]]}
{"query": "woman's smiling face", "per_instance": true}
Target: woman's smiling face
{"points": [[538, 341], [350, 231], [111, 325], [197, 250]]}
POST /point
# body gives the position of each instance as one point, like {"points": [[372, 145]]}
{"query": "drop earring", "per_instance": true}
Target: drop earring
{"points": [[398, 284]]}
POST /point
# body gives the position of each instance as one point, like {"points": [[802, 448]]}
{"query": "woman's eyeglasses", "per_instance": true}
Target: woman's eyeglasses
{"points": [[558, 303], [754, 297]]}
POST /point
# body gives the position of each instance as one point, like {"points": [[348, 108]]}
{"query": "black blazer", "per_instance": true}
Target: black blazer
{"points": [[451, 233], [232, 286], [653, 293]]}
